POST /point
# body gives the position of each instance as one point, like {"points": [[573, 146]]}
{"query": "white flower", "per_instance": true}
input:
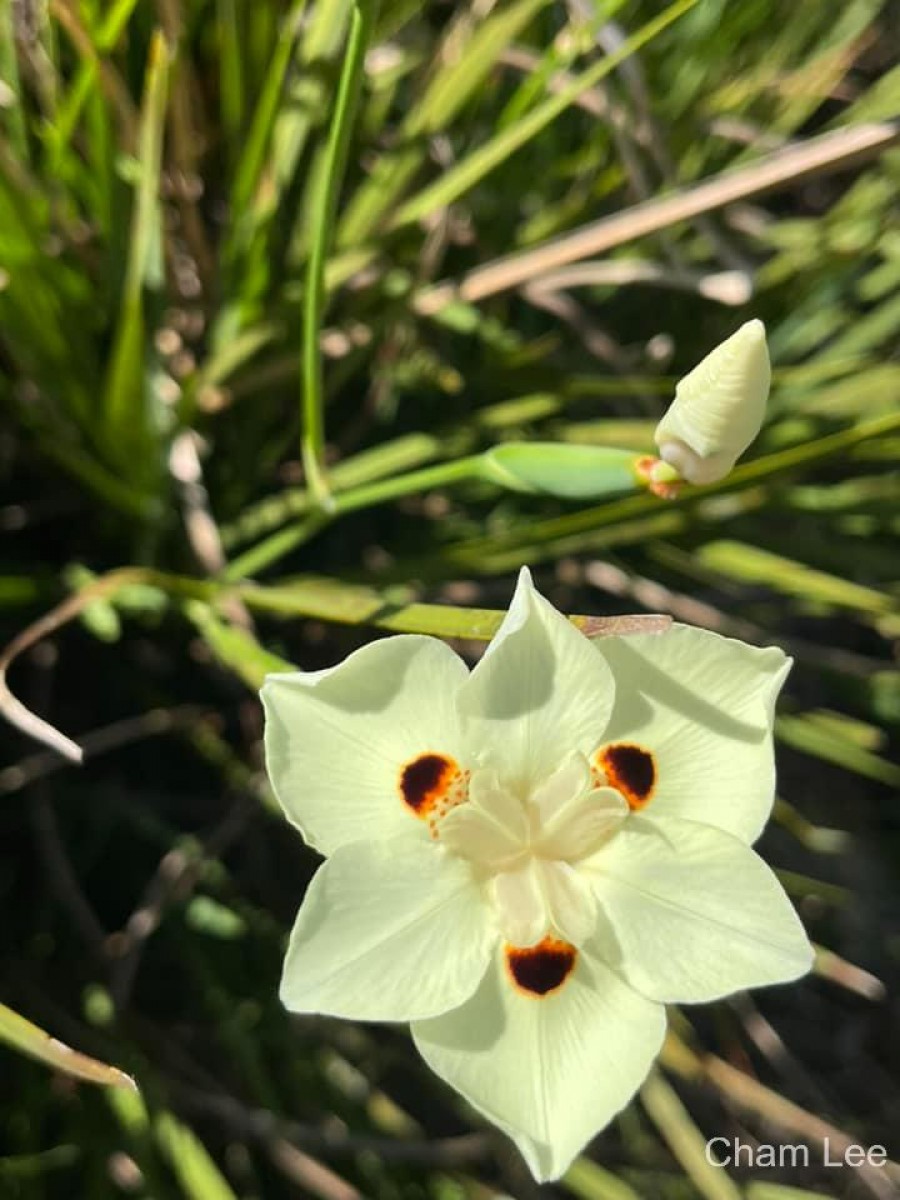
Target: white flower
{"points": [[529, 860], [718, 408]]}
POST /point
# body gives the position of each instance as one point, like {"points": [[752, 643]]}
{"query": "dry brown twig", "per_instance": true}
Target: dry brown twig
{"points": [[752, 1096], [831, 152], [12, 708]]}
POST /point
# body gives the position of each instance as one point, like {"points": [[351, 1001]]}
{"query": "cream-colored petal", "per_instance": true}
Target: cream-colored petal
{"points": [[569, 899], [472, 833], [536, 696], [337, 741], [567, 783], [695, 912], [503, 806], [703, 705], [388, 931], [550, 1070], [520, 906], [584, 824]]}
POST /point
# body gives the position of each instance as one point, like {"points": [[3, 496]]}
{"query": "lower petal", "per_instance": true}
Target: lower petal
{"points": [[570, 901], [388, 931], [696, 913], [520, 905], [551, 1067]]}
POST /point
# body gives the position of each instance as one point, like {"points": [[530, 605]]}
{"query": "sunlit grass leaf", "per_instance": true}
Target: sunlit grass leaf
{"points": [[589, 1181], [472, 49], [234, 647], [685, 1140], [821, 741], [191, 1162], [752, 564], [19, 1033], [162, 1133]]}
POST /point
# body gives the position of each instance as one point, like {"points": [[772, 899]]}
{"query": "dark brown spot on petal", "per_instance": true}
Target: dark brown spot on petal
{"points": [[541, 969], [429, 781], [630, 769]]}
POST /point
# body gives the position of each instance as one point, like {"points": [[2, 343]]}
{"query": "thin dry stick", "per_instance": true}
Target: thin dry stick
{"points": [[847, 975], [726, 287], [626, 130], [831, 152], [565, 308], [100, 741], [749, 1094], [174, 879], [14, 710], [754, 1097], [199, 523], [62, 876], [262, 1125], [314, 1177]]}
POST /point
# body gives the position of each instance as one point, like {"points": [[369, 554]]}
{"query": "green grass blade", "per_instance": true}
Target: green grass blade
{"points": [[59, 134], [14, 111], [195, 1169], [466, 174], [452, 87], [235, 648], [130, 422], [330, 172], [685, 1140], [231, 72], [751, 564], [588, 1181], [253, 152], [813, 738]]}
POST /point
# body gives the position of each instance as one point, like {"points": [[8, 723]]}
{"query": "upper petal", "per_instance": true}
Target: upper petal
{"points": [[539, 693], [388, 931], [696, 913], [702, 705], [550, 1069], [337, 741]]}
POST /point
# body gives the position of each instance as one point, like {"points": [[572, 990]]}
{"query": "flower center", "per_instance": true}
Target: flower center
{"points": [[528, 849]]}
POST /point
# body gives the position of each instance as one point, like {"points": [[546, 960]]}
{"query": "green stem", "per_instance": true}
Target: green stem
{"points": [[632, 508], [367, 495], [325, 198]]}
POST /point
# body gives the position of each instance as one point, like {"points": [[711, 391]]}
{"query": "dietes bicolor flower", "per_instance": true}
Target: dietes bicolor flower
{"points": [[529, 860]]}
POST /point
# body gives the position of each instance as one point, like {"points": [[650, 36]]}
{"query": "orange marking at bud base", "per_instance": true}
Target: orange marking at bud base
{"points": [[539, 970], [630, 769], [646, 468], [431, 784]]}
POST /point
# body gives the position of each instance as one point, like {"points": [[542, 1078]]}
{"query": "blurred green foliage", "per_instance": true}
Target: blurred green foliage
{"points": [[546, 213]]}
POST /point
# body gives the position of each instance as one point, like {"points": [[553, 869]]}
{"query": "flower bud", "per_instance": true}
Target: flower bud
{"points": [[718, 408]]}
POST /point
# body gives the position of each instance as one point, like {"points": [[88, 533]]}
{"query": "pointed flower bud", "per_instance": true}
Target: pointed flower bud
{"points": [[718, 408]]}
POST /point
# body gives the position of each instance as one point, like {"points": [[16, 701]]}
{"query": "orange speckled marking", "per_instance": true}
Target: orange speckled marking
{"points": [[542, 969], [431, 784], [629, 768], [644, 469]]}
